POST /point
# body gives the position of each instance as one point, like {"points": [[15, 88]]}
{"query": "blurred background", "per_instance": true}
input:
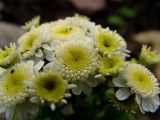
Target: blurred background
{"points": [[138, 21]]}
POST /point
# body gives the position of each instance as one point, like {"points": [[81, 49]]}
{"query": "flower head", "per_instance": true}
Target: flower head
{"points": [[110, 43], [84, 23], [141, 80], [9, 56], [34, 22], [28, 43], [148, 57], [50, 87], [65, 32], [12, 84], [138, 80], [111, 65], [75, 60]]}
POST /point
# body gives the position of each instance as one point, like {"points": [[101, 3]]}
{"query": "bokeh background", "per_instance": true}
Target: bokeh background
{"points": [[138, 21]]}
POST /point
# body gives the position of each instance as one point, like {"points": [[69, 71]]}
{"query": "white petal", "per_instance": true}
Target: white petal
{"points": [[99, 76], [39, 65], [67, 95], [50, 56], [47, 67], [71, 86], [64, 101], [149, 105], [92, 82], [138, 99], [2, 70], [47, 47], [146, 105], [34, 100], [123, 93], [39, 53], [2, 109], [10, 113], [53, 107], [86, 89], [78, 89], [141, 109], [119, 82], [31, 62], [156, 100], [55, 43]]}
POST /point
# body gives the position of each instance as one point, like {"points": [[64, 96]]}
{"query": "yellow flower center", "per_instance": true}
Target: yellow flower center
{"points": [[142, 81], [14, 82], [76, 58], [66, 31]]}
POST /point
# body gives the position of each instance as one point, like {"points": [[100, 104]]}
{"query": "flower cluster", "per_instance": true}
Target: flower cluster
{"points": [[54, 60]]}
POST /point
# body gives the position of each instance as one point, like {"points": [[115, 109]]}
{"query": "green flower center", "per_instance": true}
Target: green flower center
{"points": [[29, 42], [5, 53], [111, 65], [50, 87], [106, 42]]}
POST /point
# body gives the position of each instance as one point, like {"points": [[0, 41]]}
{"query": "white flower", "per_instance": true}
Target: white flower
{"points": [[86, 25], [138, 80], [9, 56], [76, 60], [23, 111], [12, 84], [148, 57], [110, 43]]}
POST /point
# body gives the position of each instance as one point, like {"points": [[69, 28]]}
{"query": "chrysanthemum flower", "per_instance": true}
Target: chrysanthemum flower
{"points": [[111, 65], [85, 24], [12, 84], [75, 60], [65, 31], [110, 43], [28, 43], [34, 22], [9, 56], [138, 80], [148, 57], [50, 87]]}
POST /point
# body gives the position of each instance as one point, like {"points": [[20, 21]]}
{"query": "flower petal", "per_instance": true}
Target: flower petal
{"points": [[47, 47], [156, 100], [10, 113], [39, 65], [86, 89], [2, 109], [138, 99], [149, 105], [78, 89], [123, 93], [92, 82], [39, 53], [119, 82]]}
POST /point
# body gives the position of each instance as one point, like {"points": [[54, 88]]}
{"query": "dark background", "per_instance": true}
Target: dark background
{"points": [[128, 17]]}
